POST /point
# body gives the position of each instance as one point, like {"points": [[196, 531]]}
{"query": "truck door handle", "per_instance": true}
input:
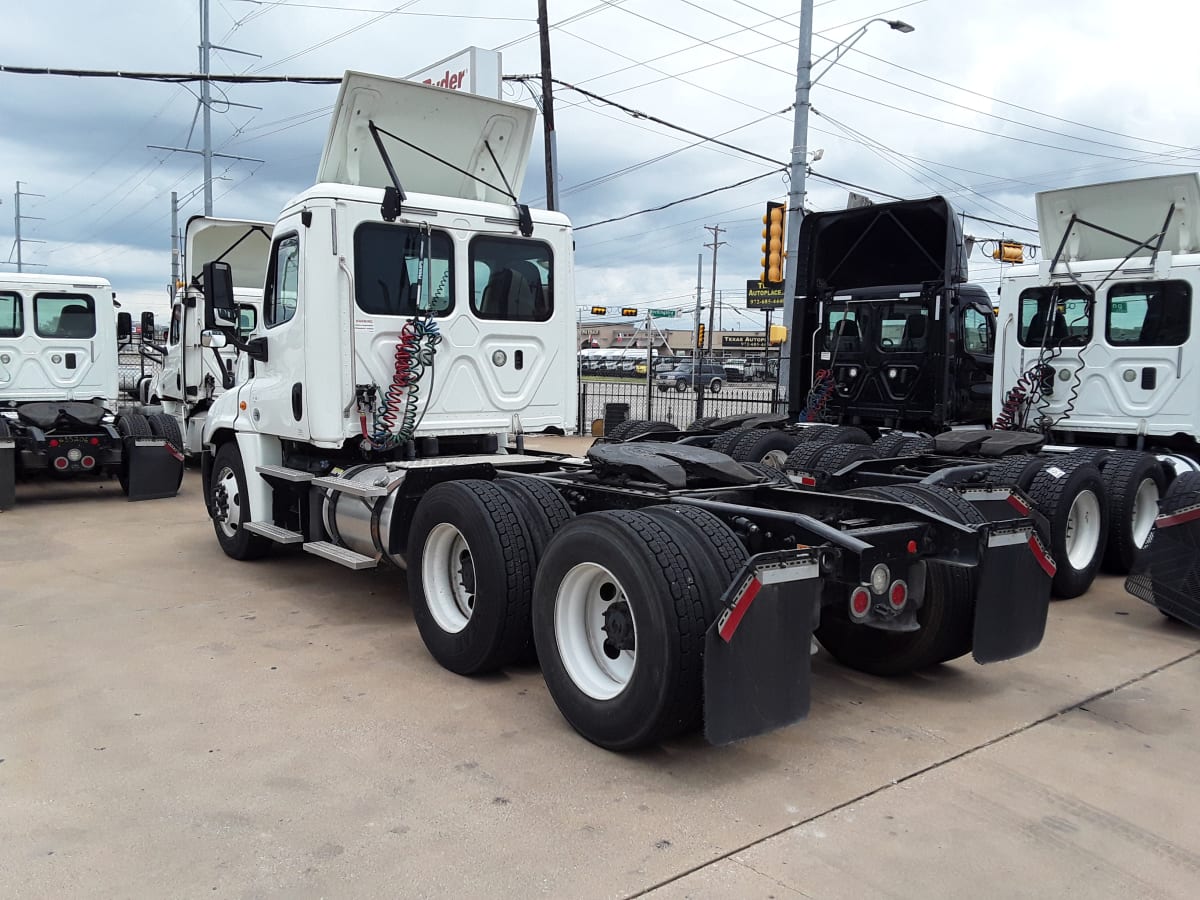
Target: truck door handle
{"points": [[70, 358], [297, 401], [1149, 378], [519, 360]]}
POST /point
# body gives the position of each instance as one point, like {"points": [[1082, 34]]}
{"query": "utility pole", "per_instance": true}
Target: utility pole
{"points": [[206, 48], [174, 244], [798, 170], [699, 309], [17, 219], [548, 109], [716, 244]]}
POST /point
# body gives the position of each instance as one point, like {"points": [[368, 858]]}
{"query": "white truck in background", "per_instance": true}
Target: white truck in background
{"points": [[193, 376], [418, 320], [58, 391]]}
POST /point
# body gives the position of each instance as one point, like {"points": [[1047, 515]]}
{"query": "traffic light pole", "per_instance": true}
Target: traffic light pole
{"points": [[798, 170]]}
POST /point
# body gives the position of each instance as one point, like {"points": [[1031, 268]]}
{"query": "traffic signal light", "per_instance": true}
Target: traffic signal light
{"points": [[1009, 252], [774, 242], [599, 310], [628, 311], [700, 337]]}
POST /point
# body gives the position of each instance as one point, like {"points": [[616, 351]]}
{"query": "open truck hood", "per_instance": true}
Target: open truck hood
{"points": [[1136, 209], [245, 245], [453, 125], [911, 242]]}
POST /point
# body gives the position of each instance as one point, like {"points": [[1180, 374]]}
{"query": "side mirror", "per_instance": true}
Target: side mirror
{"points": [[147, 326], [220, 309], [213, 339], [124, 326]]}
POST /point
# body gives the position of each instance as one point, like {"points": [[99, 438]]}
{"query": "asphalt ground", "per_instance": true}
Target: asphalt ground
{"points": [[177, 724]]}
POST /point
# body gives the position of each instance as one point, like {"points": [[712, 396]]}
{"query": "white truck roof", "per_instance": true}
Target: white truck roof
{"points": [[1136, 209], [457, 127], [41, 278]]}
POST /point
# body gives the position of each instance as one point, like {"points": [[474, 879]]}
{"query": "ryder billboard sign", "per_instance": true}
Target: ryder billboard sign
{"points": [[474, 70]]}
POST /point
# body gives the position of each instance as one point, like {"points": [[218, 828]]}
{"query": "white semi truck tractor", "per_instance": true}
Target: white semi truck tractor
{"points": [[193, 376], [417, 323], [59, 336]]}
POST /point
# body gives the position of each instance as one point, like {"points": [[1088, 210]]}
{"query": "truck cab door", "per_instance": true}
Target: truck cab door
{"points": [[973, 361], [170, 383], [276, 390]]}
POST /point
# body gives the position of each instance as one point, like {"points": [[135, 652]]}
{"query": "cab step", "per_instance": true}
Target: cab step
{"points": [[340, 555], [284, 473], [274, 532]]}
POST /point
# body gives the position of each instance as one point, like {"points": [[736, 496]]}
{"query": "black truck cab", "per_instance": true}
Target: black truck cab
{"points": [[885, 331]]}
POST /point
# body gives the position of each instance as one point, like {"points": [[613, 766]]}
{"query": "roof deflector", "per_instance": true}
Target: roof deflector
{"points": [[447, 143]]}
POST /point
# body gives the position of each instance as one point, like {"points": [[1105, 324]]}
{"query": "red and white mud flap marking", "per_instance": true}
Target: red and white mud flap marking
{"points": [[804, 479], [731, 616], [170, 448], [1179, 517], [1008, 538]]}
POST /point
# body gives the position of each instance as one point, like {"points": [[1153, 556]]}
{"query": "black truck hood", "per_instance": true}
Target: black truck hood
{"points": [[911, 242]]}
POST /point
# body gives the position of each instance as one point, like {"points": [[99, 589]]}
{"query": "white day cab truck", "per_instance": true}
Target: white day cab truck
{"points": [[58, 392], [417, 321], [1093, 412], [193, 376]]}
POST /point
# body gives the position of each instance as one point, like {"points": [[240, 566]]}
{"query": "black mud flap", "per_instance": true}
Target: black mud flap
{"points": [[8, 473], [1167, 572], [757, 652], [155, 468], [1012, 594]]}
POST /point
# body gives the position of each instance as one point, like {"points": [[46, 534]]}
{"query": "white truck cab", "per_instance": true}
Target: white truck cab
{"points": [[58, 391], [1099, 342], [192, 376], [411, 308]]}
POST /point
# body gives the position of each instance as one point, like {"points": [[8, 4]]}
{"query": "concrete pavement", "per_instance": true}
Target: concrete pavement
{"points": [[175, 723]]}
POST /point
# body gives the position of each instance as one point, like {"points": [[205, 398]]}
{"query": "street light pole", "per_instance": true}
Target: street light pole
{"points": [[798, 168]]}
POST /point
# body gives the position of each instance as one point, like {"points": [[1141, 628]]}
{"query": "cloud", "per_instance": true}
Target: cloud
{"points": [[106, 207]]}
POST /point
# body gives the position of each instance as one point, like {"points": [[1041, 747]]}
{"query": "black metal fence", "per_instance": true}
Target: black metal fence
{"points": [[133, 364], [615, 401]]}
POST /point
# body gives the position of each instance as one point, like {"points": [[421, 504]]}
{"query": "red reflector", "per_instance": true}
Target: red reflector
{"points": [[898, 595], [60, 462], [1018, 504], [728, 623], [912, 546], [88, 462], [53, 442], [95, 442], [860, 601], [808, 481]]}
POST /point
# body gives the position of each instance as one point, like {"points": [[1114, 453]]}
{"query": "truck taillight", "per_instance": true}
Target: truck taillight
{"points": [[95, 442], [898, 595], [53, 442], [88, 462], [60, 462], [860, 602]]}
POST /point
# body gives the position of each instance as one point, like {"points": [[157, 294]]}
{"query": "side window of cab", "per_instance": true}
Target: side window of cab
{"points": [[978, 334], [283, 282]]}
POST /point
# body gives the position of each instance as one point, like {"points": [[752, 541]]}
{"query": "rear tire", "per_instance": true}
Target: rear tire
{"points": [[632, 428], [1073, 499], [702, 423], [946, 615], [619, 621], [1135, 482], [769, 447], [230, 508], [1016, 471], [470, 576], [725, 441]]}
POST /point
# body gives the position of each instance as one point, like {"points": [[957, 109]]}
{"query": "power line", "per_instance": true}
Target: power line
{"points": [[642, 212], [172, 77], [375, 9]]}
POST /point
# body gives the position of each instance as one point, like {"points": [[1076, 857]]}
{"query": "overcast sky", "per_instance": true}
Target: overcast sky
{"points": [[986, 103]]}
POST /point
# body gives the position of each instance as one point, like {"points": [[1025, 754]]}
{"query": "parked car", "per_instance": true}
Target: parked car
{"points": [[687, 375]]}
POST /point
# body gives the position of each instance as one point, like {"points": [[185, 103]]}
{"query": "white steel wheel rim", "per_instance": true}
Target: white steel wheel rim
{"points": [[1145, 510], [776, 459], [449, 578], [584, 594], [1083, 529], [227, 484]]}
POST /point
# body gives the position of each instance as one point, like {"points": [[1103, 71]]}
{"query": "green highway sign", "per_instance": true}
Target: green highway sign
{"points": [[662, 313]]}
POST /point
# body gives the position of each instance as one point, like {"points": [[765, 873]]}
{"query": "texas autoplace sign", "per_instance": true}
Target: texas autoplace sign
{"points": [[474, 70]]}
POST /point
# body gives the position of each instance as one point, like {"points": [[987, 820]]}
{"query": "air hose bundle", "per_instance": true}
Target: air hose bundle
{"points": [[824, 384], [398, 415]]}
